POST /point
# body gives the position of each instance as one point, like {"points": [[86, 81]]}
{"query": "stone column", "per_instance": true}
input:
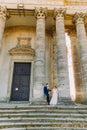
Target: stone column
{"points": [[3, 14], [63, 76], [77, 94], [2, 22], [39, 72], [82, 41]]}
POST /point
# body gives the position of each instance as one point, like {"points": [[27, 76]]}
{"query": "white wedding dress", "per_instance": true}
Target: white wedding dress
{"points": [[54, 98]]}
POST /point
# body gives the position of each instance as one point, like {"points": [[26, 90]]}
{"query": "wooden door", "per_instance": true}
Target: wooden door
{"points": [[21, 82]]}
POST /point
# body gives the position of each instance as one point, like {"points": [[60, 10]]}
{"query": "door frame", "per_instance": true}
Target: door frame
{"points": [[25, 59]]}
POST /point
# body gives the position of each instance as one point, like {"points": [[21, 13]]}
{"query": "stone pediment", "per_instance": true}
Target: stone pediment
{"points": [[22, 48], [22, 51]]}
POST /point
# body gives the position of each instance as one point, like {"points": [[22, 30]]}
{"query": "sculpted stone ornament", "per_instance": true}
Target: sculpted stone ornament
{"points": [[23, 47], [79, 18], [3, 16], [3, 12], [59, 12], [24, 42], [40, 12]]}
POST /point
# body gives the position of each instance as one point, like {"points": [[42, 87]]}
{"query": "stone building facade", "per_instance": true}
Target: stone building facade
{"points": [[33, 49]]}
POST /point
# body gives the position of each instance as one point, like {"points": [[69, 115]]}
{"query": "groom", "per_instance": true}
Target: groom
{"points": [[46, 92]]}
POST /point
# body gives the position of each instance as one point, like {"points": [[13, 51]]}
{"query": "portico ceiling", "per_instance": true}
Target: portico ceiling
{"points": [[27, 18], [17, 20]]}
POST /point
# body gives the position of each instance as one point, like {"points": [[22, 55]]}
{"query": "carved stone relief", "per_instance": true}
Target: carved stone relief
{"points": [[23, 47]]}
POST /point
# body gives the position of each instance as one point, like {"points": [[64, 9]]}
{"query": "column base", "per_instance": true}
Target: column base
{"points": [[65, 101], [39, 101]]}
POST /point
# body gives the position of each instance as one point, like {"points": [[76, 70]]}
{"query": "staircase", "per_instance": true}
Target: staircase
{"points": [[44, 117]]}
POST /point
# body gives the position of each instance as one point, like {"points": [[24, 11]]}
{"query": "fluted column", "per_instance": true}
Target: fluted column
{"points": [[77, 94], [63, 77], [55, 60], [39, 72], [3, 13], [2, 22], [82, 41]]}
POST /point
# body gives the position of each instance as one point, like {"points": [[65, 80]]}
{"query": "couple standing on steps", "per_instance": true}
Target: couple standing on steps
{"points": [[54, 97]]}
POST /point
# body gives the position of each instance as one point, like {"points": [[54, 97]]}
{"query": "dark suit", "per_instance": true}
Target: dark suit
{"points": [[46, 92]]}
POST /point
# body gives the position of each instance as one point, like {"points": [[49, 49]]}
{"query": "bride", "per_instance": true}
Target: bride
{"points": [[54, 96]]}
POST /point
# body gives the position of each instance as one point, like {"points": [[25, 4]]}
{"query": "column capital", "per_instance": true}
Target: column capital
{"points": [[59, 12], [3, 12], [40, 13], [79, 18]]}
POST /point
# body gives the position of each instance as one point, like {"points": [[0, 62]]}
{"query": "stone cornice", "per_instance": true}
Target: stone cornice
{"points": [[69, 9], [22, 51], [75, 2], [46, 2]]}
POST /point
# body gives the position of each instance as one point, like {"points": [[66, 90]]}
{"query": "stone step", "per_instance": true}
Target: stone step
{"points": [[41, 107], [37, 114], [42, 111], [43, 117], [42, 128], [44, 124], [47, 119]]}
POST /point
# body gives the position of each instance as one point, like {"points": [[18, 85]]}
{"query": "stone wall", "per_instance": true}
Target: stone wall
{"points": [[10, 41]]}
